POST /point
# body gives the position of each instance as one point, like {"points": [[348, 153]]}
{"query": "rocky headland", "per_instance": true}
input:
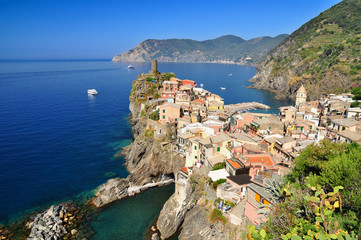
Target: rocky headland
{"points": [[151, 161], [226, 49], [149, 164]]}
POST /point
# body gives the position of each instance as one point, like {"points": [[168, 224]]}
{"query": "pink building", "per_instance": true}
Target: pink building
{"points": [[169, 113], [169, 89], [243, 119]]}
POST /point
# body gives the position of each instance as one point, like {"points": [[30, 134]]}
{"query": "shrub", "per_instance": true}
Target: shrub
{"points": [[219, 182], [217, 215], [219, 166], [154, 115]]}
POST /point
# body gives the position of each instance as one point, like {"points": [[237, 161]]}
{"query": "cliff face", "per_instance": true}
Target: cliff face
{"points": [[226, 49], [146, 160], [323, 55]]}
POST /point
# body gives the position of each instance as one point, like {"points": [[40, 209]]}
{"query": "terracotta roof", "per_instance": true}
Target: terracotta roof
{"points": [[199, 100], [260, 159], [185, 170], [234, 164]]}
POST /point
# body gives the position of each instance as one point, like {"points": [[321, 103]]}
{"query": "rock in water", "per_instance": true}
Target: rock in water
{"points": [[48, 225], [113, 189]]}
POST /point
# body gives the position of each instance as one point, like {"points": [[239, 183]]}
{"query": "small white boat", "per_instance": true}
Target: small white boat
{"points": [[92, 92], [130, 66], [202, 85], [229, 74], [223, 88]]}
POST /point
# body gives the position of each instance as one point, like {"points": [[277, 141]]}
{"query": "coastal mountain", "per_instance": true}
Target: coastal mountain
{"points": [[323, 55], [225, 49]]}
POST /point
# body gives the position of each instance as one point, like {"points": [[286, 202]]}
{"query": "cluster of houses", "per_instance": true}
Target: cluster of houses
{"points": [[250, 148]]}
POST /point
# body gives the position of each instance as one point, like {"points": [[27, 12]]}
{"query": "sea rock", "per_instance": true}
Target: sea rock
{"points": [[175, 209], [113, 189], [48, 225], [197, 227], [155, 236]]}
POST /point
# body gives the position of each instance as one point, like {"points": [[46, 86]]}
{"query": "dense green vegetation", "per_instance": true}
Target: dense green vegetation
{"points": [[219, 166], [321, 197], [326, 47]]}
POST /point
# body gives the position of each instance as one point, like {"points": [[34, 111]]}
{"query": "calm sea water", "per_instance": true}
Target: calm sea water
{"points": [[57, 143]]}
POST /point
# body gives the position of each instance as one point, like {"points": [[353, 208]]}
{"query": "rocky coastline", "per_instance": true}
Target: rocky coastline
{"points": [[148, 164]]}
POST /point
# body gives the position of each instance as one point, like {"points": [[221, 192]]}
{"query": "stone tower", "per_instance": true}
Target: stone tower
{"points": [[301, 96], [154, 66]]}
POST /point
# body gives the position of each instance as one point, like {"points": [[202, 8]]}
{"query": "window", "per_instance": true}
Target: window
{"points": [[258, 198], [218, 149], [163, 117], [343, 128], [265, 202], [195, 147], [269, 127], [175, 119], [163, 110], [195, 157], [219, 130]]}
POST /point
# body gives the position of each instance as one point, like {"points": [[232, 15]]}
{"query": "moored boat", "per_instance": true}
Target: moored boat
{"points": [[92, 92]]}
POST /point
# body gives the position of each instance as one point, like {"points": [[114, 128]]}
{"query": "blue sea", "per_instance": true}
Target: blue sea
{"points": [[57, 143]]}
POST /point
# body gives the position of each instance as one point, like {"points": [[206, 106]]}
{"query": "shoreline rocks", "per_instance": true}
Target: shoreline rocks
{"points": [[49, 224], [58, 222]]}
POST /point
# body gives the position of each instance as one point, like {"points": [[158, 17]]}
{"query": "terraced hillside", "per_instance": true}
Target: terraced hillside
{"points": [[324, 55]]}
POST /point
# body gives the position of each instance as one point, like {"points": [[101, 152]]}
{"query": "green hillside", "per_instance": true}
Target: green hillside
{"points": [[323, 54], [226, 48]]}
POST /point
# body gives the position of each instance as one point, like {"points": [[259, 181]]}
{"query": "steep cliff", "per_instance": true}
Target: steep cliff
{"points": [[225, 49], [146, 160], [323, 55]]}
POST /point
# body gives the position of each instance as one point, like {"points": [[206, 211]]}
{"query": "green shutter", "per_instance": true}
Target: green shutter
{"points": [[218, 149]]}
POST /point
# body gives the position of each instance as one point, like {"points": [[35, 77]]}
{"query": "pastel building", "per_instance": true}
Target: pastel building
{"points": [[170, 89], [169, 113]]}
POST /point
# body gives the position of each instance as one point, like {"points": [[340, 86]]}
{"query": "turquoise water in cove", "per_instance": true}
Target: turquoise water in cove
{"points": [[57, 143]]}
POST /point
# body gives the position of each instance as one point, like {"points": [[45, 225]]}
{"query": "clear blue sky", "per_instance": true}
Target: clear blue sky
{"points": [[82, 29]]}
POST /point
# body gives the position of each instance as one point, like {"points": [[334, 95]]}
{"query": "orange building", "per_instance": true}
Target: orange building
{"points": [[188, 82]]}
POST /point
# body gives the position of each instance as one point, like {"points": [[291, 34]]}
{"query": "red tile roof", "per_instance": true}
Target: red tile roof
{"points": [[234, 164], [199, 100], [259, 159], [184, 169]]}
